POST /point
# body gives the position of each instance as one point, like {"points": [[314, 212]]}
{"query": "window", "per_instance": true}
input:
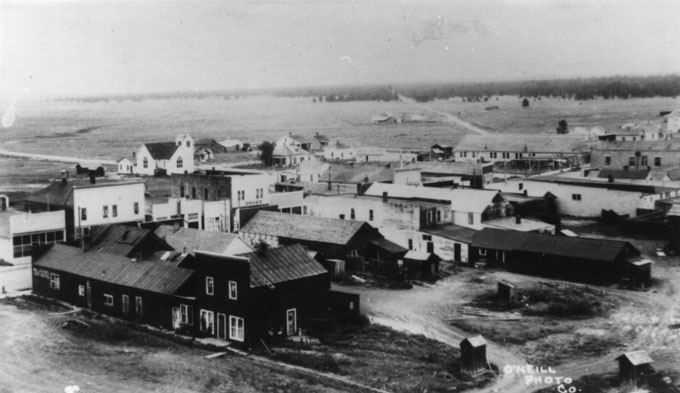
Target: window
{"points": [[114, 210], [186, 315], [205, 193], [139, 310], [145, 162], [576, 197], [607, 160], [126, 304], [241, 195], [370, 215], [236, 328], [342, 216], [188, 143], [181, 191], [108, 300], [135, 208], [207, 321], [83, 214], [209, 286], [644, 161], [429, 216], [54, 281], [233, 290], [193, 192], [351, 214], [631, 161], [657, 161], [482, 251], [518, 155], [180, 163], [81, 290], [427, 237], [493, 154], [439, 215], [106, 212], [463, 154], [410, 244], [471, 219]]}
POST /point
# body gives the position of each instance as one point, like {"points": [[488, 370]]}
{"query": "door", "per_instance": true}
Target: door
{"points": [[456, 251], [221, 326], [430, 247], [126, 304], [88, 294], [291, 322], [176, 319]]}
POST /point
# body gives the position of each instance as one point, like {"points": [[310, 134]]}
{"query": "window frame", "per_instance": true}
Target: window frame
{"points": [[237, 327], [233, 290], [209, 285], [55, 282], [108, 300]]}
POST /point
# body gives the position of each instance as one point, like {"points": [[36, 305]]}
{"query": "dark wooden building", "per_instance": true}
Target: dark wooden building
{"points": [[331, 237], [473, 355], [495, 246], [634, 368], [421, 265], [142, 291], [211, 145], [383, 256], [260, 295]]}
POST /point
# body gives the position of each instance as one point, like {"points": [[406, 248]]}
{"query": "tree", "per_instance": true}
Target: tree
{"points": [[562, 127], [267, 153], [525, 102]]}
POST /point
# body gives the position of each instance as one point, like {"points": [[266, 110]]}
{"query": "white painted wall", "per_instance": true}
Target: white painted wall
{"points": [[94, 197]]}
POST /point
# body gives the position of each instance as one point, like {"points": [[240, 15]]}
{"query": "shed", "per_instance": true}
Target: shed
{"points": [[634, 367], [507, 292], [473, 355], [419, 264]]}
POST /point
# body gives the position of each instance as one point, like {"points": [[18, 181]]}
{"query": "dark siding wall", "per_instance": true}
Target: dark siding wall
{"points": [[583, 270]]}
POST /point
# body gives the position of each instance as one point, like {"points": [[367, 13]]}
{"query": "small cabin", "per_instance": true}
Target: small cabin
{"points": [[634, 368], [473, 355]]}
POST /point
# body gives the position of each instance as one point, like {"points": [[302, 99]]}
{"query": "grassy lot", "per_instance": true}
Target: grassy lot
{"points": [[40, 336]]}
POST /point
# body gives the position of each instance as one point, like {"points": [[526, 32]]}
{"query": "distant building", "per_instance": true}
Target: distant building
{"points": [[171, 157], [288, 155], [671, 122], [636, 155], [558, 150], [21, 231], [381, 154], [91, 203], [125, 166], [232, 145], [210, 144], [339, 152], [203, 155], [190, 239], [634, 368]]}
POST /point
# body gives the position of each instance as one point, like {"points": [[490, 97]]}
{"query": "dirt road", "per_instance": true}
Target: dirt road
{"points": [[449, 117], [45, 157], [421, 311]]}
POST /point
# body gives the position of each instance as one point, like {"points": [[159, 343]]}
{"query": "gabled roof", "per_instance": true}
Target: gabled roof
{"points": [[575, 247], [388, 246], [161, 150], [636, 358], [288, 151], [301, 138], [522, 143], [452, 232], [155, 277], [194, 239], [123, 240], [417, 255], [498, 239], [320, 138], [205, 141], [309, 228], [475, 341], [282, 264]]}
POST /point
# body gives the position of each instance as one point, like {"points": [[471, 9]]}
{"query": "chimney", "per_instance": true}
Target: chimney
{"points": [[384, 198], [518, 220], [93, 179], [610, 179]]}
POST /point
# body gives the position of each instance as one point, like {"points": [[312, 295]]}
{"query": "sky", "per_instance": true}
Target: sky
{"points": [[110, 47]]}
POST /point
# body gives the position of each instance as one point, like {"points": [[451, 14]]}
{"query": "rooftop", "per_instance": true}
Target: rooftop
{"points": [[155, 277], [637, 358], [452, 232], [498, 239], [388, 246], [123, 240], [632, 174], [462, 199], [194, 239], [641, 146], [526, 224], [60, 194], [293, 226], [424, 203], [522, 143], [476, 341], [282, 264], [161, 150]]}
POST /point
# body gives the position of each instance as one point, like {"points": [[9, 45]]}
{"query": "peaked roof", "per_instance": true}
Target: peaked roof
{"points": [[161, 150], [462, 199], [282, 264], [451, 231], [575, 247], [155, 277], [475, 341], [194, 239], [288, 151], [388, 246], [123, 240], [637, 358], [309, 228], [320, 138], [498, 239], [205, 141], [301, 138]]}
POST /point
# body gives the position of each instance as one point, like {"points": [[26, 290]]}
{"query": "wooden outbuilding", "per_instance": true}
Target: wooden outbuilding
{"points": [[473, 355], [507, 292], [634, 368]]}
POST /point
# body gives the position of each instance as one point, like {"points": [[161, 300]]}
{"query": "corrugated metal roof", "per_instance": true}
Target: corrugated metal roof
{"points": [[388, 246], [282, 264], [156, 277], [161, 150], [498, 239], [294, 226]]}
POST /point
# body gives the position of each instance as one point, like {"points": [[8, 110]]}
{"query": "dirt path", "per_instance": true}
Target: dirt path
{"points": [[451, 118], [45, 157], [420, 311]]}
